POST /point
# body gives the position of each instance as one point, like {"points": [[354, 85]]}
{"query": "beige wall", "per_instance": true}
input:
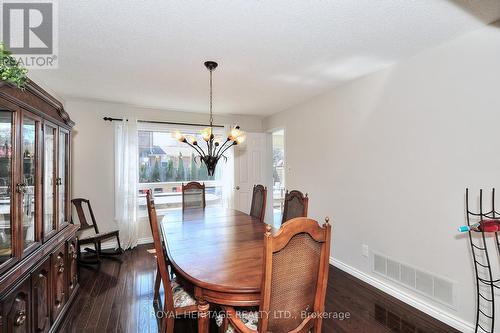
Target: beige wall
{"points": [[389, 156], [92, 150]]}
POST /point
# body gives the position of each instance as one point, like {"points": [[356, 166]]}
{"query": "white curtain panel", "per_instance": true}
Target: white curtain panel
{"points": [[126, 178]]}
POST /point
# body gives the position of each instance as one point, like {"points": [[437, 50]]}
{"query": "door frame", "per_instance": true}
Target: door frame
{"points": [[271, 131]]}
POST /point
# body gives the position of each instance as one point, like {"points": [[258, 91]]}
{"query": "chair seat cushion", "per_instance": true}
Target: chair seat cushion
{"points": [[90, 233], [181, 297], [249, 318]]}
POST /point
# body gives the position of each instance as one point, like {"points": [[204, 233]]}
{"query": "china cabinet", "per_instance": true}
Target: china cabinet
{"points": [[38, 269]]}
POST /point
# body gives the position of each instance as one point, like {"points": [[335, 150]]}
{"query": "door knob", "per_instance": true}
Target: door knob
{"points": [[237, 187]]}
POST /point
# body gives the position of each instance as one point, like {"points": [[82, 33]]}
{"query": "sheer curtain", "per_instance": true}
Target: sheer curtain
{"points": [[126, 177]]}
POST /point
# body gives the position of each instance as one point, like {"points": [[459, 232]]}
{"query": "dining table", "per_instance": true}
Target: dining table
{"points": [[219, 252]]}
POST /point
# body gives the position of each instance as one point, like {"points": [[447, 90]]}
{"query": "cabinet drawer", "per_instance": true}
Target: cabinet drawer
{"points": [[40, 293], [15, 309], [58, 263]]}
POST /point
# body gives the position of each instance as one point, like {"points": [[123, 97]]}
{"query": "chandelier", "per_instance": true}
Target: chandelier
{"points": [[216, 146]]}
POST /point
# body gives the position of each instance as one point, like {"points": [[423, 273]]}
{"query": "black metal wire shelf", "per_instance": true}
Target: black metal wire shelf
{"points": [[482, 318]]}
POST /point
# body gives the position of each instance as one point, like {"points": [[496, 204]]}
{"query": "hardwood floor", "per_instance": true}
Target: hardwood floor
{"points": [[118, 297]]}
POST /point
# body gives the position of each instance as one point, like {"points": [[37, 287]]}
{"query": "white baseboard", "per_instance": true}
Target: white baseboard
{"points": [[417, 303], [145, 240]]}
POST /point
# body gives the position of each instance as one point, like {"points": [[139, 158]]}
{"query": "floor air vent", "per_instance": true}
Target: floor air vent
{"points": [[437, 288]]}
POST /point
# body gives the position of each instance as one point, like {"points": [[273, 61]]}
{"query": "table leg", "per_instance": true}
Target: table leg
{"points": [[203, 319]]}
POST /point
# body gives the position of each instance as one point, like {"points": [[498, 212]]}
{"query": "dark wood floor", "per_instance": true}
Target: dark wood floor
{"points": [[117, 297]]}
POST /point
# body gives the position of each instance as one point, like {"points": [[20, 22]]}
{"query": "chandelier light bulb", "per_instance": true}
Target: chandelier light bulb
{"points": [[178, 136], [206, 133], [234, 133], [240, 139], [191, 139]]}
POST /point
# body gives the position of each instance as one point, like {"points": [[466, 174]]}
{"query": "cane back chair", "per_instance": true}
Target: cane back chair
{"points": [[295, 276], [258, 207], [295, 205]]}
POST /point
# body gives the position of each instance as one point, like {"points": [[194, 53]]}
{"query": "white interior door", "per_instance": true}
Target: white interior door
{"points": [[251, 167]]}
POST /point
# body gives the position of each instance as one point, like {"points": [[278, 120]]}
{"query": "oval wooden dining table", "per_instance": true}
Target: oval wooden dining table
{"points": [[219, 252]]}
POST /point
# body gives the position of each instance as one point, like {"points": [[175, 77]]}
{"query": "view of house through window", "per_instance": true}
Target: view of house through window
{"points": [[165, 163], [278, 174]]}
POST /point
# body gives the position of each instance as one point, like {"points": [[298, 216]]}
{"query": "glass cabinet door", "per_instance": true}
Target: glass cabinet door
{"points": [[49, 184], [62, 180], [5, 186], [28, 187]]}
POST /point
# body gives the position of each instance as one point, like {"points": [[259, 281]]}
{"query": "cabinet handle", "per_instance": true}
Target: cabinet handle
{"points": [[22, 188], [20, 318], [61, 264], [58, 181], [72, 251]]}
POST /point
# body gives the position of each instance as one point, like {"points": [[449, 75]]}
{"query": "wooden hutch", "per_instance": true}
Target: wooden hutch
{"points": [[38, 267]]}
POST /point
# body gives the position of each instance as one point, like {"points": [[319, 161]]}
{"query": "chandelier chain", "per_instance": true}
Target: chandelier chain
{"points": [[211, 100]]}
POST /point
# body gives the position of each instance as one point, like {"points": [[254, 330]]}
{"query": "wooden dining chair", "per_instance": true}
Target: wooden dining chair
{"points": [[89, 233], [177, 301], [258, 207], [156, 297], [295, 277], [295, 205], [193, 195]]}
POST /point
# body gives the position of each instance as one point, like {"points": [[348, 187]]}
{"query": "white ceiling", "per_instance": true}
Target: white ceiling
{"points": [[272, 54]]}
